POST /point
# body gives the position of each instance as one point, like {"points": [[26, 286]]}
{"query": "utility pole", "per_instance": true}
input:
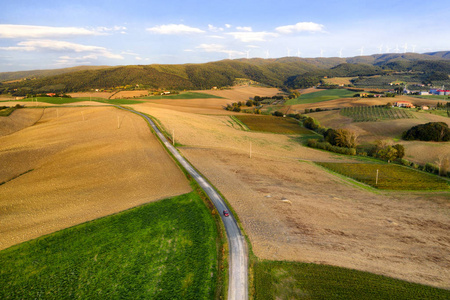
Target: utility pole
{"points": [[376, 180], [173, 137]]}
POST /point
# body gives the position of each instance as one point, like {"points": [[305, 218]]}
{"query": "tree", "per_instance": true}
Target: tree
{"points": [[400, 150], [389, 153], [346, 138]]}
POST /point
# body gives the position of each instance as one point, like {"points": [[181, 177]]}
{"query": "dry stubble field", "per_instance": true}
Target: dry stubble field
{"points": [[80, 169], [295, 210]]}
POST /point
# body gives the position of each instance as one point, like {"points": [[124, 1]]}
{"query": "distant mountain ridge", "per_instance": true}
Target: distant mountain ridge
{"points": [[272, 72]]}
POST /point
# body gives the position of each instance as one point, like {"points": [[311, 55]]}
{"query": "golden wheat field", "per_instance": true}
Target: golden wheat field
{"points": [[78, 164], [292, 209]]}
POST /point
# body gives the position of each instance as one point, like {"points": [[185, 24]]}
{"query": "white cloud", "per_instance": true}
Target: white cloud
{"points": [[300, 27], [240, 28], [61, 46], [228, 26], [174, 29], [36, 32], [216, 36], [219, 49], [214, 28], [247, 37]]}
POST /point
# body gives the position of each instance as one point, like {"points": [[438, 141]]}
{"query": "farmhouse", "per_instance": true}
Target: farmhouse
{"points": [[424, 107], [405, 104]]}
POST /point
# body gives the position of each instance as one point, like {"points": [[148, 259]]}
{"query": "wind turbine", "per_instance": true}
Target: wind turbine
{"points": [[361, 50], [288, 52], [321, 52], [396, 49], [388, 49], [248, 53], [405, 48], [298, 52], [413, 48], [340, 53], [267, 54], [380, 49]]}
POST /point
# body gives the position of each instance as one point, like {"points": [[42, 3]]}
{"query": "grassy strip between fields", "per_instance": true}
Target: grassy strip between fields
{"points": [[390, 176], [293, 280], [162, 250], [187, 95], [273, 124], [322, 95]]}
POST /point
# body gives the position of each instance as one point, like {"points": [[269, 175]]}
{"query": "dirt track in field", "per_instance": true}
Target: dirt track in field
{"points": [[81, 166], [294, 210]]}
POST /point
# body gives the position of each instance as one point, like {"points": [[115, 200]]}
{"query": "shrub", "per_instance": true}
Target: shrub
{"points": [[310, 123], [278, 114], [429, 167]]}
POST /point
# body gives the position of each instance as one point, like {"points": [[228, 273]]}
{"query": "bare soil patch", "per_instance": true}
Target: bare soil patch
{"points": [[203, 106], [82, 167], [295, 210], [242, 93], [19, 119], [130, 94], [105, 95]]}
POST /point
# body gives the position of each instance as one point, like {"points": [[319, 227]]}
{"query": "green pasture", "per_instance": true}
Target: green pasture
{"points": [[294, 280], [323, 95], [162, 250], [273, 124], [390, 176], [187, 95]]}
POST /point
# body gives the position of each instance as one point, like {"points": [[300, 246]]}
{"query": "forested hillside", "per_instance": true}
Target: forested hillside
{"points": [[291, 72]]}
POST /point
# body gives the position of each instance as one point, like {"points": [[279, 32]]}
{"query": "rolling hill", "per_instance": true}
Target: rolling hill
{"points": [[293, 72]]}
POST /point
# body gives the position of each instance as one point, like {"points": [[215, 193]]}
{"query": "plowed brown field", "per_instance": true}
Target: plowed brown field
{"points": [[294, 210], [80, 166]]}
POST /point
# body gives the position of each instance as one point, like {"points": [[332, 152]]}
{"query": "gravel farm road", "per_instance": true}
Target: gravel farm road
{"points": [[238, 258]]}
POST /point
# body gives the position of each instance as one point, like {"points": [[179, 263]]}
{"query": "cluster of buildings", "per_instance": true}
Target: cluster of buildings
{"points": [[440, 92]]}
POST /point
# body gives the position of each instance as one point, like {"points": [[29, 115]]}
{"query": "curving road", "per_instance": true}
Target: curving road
{"points": [[238, 276]]}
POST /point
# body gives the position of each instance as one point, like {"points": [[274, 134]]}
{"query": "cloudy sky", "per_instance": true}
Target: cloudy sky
{"points": [[50, 34]]}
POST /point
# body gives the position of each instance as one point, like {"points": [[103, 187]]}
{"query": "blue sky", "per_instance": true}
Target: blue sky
{"points": [[56, 34]]}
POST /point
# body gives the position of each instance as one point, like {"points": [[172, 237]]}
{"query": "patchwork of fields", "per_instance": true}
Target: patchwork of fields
{"points": [[291, 209]]}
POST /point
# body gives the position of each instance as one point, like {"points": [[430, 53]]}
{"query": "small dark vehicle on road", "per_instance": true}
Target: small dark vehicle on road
{"points": [[225, 213]]}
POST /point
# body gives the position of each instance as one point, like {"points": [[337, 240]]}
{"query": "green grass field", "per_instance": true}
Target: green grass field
{"points": [[375, 113], [162, 250], [390, 176], [273, 124], [293, 280], [187, 95], [323, 95], [57, 100], [6, 111]]}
